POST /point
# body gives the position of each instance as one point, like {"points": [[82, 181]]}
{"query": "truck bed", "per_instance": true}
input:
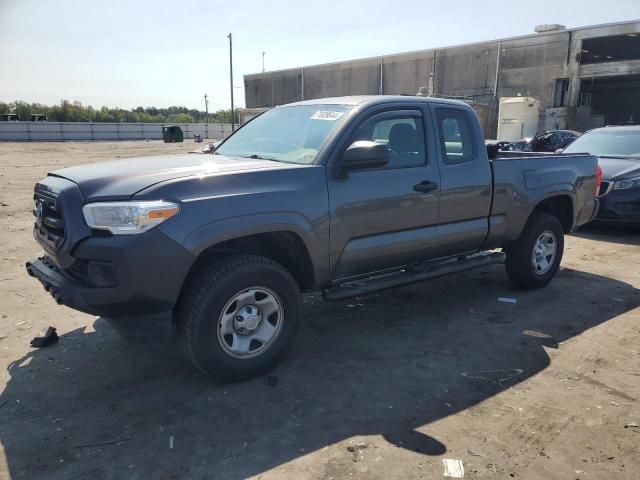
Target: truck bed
{"points": [[522, 179]]}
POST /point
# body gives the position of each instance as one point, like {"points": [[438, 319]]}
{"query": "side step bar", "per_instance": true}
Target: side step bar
{"points": [[416, 274]]}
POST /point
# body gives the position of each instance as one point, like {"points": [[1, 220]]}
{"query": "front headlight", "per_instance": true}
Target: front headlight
{"points": [[126, 218], [624, 184]]}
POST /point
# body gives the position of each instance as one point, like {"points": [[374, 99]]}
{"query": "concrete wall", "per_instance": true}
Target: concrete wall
{"points": [[527, 66], [358, 77], [466, 71], [61, 131], [274, 88], [530, 66], [405, 73]]}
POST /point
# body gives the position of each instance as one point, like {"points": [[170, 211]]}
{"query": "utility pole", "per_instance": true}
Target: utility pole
{"points": [[233, 117], [263, 61], [206, 106]]}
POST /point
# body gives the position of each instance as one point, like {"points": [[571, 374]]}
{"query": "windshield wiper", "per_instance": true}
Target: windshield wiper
{"points": [[255, 156]]}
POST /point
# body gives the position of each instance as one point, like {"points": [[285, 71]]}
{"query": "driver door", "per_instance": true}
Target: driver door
{"points": [[386, 217]]}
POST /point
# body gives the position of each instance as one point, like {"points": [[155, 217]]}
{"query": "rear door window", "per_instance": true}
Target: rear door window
{"points": [[456, 137]]}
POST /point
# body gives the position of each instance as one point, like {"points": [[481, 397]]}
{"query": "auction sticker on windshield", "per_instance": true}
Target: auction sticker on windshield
{"points": [[326, 115]]}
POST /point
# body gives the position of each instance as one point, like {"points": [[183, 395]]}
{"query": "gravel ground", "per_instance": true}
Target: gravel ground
{"points": [[382, 387]]}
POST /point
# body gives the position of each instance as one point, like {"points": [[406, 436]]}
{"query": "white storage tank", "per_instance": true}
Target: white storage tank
{"points": [[517, 118]]}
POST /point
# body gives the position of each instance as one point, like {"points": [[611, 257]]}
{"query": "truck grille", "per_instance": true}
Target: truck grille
{"points": [[605, 187], [49, 221]]}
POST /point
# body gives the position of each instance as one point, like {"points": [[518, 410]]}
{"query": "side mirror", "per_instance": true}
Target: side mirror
{"points": [[559, 150], [362, 155], [492, 150]]}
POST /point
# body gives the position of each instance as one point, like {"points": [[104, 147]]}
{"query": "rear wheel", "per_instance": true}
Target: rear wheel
{"points": [[238, 317], [535, 257]]}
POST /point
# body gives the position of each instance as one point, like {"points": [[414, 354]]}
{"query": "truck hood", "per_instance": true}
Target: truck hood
{"points": [[619, 168], [120, 179]]}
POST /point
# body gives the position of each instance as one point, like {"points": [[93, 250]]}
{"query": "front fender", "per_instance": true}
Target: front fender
{"points": [[224, 229]]}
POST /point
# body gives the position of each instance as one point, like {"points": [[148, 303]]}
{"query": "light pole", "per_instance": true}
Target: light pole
{"points": [[263, 61], [233, 117]]}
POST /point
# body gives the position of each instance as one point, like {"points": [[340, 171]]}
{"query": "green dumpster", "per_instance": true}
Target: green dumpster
{"points": [[172, 134]]}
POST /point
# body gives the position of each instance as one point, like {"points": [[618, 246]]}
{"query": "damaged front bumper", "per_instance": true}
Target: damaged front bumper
{"points": [[64, 290]]}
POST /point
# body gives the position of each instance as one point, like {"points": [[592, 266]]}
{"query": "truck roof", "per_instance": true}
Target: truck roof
{"points": [[377, 99]]}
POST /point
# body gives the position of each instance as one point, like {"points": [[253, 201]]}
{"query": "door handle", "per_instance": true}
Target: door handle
{"points": [[425, 186]]}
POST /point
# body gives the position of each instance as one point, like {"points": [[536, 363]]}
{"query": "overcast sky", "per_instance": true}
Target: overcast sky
{"points": [[156, 52]]}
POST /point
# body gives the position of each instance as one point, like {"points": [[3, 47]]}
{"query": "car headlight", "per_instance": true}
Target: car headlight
{"points": [[624, 184], [126, 218]]}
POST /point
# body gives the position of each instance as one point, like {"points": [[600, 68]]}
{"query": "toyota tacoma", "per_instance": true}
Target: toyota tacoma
{"points": [[345, 196]]}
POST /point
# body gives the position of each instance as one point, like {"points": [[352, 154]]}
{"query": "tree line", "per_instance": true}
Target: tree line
{"points": [[68, 111]]}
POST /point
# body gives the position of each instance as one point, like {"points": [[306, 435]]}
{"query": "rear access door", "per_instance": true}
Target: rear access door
{"points": [[466, 180]]}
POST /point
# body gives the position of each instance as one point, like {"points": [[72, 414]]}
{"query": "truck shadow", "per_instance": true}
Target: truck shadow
{"points": [[390, 365]]}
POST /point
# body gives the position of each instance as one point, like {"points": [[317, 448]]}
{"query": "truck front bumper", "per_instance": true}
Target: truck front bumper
{"points": [[63, 289], [129, 278]]}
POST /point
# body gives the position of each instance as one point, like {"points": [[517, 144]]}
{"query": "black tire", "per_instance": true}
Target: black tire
{"points": [[204, 299], [519, 264]]}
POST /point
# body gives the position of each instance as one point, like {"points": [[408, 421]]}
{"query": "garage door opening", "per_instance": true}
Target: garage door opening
{"points": [[611, 100]]}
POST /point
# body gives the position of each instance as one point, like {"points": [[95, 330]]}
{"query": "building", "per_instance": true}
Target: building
{"points": [[246, 114], [583, 77]]}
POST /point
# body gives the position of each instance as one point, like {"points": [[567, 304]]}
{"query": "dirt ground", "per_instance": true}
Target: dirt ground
{"points": [[383, 387]]}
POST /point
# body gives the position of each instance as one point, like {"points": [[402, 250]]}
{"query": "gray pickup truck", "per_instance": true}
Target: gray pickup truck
{"points": [[343, 195]]}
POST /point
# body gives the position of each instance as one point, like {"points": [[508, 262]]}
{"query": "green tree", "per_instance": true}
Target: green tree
{"points": [[224, 116], [180, 118], [73, 111]]}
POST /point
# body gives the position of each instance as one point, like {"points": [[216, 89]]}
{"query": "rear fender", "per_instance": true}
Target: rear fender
{"points": [[516, 225]]}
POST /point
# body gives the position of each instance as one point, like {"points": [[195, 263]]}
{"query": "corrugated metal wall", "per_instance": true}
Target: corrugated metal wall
{"points": [[61, 131]]}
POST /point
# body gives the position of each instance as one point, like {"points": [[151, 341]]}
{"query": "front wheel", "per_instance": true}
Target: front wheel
{"points": [[535, 257], [238, 317]]}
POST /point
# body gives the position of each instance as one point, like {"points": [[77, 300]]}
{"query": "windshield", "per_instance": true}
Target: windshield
{"points": [[608, 142], [293, 134]]}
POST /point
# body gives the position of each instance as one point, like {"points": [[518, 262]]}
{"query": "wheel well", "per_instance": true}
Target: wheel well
{"points": [[286, 248], [560, 206]]}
